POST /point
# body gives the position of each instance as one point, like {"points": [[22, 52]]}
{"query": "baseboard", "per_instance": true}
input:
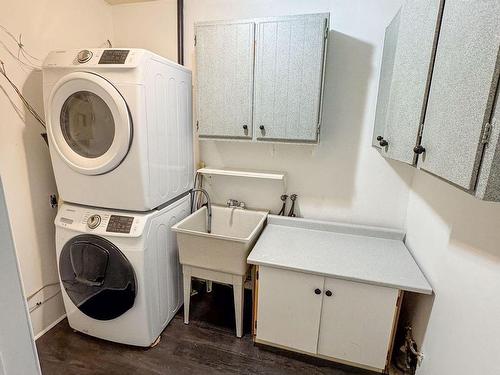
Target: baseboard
{"points": [[50, 326]]}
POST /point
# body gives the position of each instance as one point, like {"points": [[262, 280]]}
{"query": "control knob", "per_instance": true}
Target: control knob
{"points": [[93, 221], [84, 56]]}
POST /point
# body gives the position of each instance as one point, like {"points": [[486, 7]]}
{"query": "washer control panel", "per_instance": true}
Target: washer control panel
{"points": [[101, 222], [119, 224]]}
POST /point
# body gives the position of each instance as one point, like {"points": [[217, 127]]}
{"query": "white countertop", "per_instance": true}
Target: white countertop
{"points": [[358, 253]]}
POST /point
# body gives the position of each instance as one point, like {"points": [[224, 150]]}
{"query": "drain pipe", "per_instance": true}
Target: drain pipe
{"points": [[180, 32]]}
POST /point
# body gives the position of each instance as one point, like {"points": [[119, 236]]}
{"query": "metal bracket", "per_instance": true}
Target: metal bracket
{"points": [[486, 134]]}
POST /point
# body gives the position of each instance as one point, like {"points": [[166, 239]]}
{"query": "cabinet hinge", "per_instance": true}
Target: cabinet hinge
{"points": [[255, 325], [486, 133], [195, 39], [257, 275], [326, 28], [197, 125], [420, 130]]}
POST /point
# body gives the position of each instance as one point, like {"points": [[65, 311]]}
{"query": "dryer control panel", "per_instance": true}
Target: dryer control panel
{"points": [[114, 56]]}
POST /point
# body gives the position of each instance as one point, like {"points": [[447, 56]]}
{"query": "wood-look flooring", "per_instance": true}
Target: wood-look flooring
{"points": [[207, 345]]}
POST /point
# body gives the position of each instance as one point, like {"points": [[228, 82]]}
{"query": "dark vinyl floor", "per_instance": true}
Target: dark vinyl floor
{"points": [[207, 345]]}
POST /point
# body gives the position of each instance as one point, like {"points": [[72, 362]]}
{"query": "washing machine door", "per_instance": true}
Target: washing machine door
{"points": [[89, 123], [97, 277]]}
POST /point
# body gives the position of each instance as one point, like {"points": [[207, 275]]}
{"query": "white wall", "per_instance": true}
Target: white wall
{"points": [[24, 160], [455, 238], [151, 25], [343, 178]]}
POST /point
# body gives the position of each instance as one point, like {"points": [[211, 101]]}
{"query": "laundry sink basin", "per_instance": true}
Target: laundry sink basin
{"points": [[226, 247]]}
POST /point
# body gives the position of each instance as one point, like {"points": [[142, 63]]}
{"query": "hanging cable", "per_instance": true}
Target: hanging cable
{"points": [[21, 96], [40, 289]]}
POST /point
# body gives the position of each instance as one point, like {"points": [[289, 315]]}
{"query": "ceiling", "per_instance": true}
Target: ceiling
{"points": [[116, 2]]}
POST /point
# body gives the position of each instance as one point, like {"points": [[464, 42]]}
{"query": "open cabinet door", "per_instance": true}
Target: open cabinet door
{"points": [[17, 348]]}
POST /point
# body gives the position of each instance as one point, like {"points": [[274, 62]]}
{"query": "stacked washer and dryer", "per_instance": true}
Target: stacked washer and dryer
{"points": [[119, 126]]}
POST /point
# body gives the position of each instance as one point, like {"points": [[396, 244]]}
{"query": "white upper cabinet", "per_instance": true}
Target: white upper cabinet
{"points": [[439, 99], [462, 92], [409, 49], [289, 77], [261, 79], [224, 72]]}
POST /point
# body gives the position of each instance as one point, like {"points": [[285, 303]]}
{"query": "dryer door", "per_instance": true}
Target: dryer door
{"points": [[89, 123], [97, 277]]}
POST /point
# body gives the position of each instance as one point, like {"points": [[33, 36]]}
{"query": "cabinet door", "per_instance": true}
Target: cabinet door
{"points": [[462, 91], [385, 80], [289, 77], [413, 61], [224, 72], [288, 311], [356, 322]]}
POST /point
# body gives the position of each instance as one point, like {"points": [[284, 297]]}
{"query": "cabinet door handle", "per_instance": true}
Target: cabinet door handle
{"points": [[379, 138], [245, 127], [383, 143], [419, 149], [317, 291], [261, 127], [328, 293]]}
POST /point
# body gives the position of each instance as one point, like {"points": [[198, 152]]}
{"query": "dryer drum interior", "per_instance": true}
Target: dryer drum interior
{"points": [[97, 277]]}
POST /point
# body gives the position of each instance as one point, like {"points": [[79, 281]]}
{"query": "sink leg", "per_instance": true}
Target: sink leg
{"points": [[238, 292], [187, 294], [209, 285]]}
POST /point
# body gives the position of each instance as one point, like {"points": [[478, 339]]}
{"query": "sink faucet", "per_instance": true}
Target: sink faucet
{"points": [[209, 207], [233, 203]]}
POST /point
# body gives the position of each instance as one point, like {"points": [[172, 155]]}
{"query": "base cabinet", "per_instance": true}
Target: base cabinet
{"points": [[346, 321]]}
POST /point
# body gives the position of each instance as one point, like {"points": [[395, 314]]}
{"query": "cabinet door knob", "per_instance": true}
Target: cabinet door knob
{"points": [[379, 138], [328, 293], [245, 127], [261, 127], [419, 149], [317, 291], [383, 143]]}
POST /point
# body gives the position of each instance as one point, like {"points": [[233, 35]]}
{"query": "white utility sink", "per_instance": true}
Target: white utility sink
{"points": [[220, 255], [226, 248]]}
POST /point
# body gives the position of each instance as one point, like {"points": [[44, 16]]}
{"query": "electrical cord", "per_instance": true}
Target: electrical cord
{"points": [[40, 289], [28, 106], [40, 303]]}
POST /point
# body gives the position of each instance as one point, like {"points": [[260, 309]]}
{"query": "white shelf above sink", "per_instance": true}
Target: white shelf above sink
{"points": [[266, 175]]}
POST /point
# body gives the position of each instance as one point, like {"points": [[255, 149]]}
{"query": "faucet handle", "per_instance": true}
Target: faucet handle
{"points": [[242, 205], [232, 203]]}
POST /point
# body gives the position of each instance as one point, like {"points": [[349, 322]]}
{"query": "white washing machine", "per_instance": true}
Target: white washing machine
{"points": [[119, 124], [119, 271]]}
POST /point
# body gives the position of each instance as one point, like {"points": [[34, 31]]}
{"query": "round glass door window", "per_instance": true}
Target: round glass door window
{"points": [[97, 277], [87, 124]]}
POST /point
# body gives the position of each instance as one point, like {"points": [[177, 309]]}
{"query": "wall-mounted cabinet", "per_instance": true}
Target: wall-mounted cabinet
{"points": [[261, 79], [409, 48], [461, 98], [437, 92], [224, 70]]}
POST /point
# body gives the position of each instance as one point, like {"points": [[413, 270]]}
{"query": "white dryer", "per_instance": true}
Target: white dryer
{"points": [[119, 126], [119, 271]]}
